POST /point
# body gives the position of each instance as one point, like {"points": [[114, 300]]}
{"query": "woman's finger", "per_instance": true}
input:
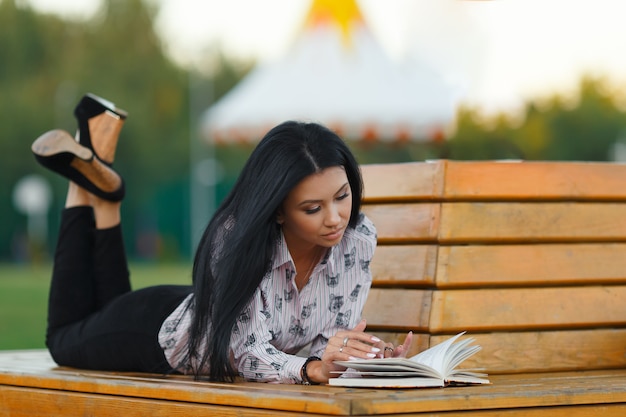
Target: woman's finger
{"points": [[388, 351], [359, 349], [354, 340], [402, 350]]}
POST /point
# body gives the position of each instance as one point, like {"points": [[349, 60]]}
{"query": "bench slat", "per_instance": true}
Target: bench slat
{"points": [[134, 386], [526, 308], [409, 265], [449, 311], [402, 182], [511, 395], [398, 309], [525, 265], [489, 180], [568, 350], [30, 403], [455, 223], [499, 265], [24, 402], [405, 222], [531, 222], [483, 180]]}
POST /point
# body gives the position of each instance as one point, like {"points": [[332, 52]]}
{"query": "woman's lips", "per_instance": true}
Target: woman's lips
{"points": [[335, 234]]}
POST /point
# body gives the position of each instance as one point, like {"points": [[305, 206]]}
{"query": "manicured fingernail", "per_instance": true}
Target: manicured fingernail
{"points": [[375, 349], [371, 355], [375, 339], [352, 358]]}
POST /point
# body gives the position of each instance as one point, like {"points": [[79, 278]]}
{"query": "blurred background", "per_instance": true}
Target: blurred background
{"points": [[203, 80]]}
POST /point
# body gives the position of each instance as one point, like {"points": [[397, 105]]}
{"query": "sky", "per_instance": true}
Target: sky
{"points": [[501, 53]]}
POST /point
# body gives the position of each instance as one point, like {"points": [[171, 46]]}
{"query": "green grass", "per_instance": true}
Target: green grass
{"points": [[24, 298]]}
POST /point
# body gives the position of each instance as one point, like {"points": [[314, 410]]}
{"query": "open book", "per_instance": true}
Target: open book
{"points": [[434, 367]]}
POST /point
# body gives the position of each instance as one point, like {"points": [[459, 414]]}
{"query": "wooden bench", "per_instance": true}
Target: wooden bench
{"points": [[529, 258]]}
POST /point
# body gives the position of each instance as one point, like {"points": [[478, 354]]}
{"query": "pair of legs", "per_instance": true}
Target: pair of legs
{"points": [[95, 320]]}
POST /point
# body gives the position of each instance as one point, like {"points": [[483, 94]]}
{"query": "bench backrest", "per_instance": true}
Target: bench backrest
{"points": [[528, 257]]}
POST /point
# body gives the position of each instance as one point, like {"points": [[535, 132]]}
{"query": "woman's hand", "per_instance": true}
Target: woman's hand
{"points": [[382, 348], [400, 351], [353, 344], [347, 345]]}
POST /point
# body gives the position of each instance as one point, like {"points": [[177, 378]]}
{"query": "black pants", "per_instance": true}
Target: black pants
{"points": [[95, 321]]}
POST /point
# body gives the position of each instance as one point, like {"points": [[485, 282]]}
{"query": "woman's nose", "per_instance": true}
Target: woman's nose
{"points": [[332, 216]]}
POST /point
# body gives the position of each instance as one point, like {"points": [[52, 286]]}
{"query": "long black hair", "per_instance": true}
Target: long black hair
{"points": [[237, 247]]}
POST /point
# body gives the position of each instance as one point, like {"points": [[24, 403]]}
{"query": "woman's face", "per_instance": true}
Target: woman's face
{"points": [[317, 211]]}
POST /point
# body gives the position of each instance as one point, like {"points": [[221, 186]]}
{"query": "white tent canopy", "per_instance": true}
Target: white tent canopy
{"points": [[338, 75]]}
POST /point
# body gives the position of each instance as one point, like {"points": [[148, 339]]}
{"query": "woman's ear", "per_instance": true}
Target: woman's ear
{"points": [[279, 218]]}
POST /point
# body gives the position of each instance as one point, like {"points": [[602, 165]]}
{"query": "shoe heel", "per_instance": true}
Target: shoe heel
{"points": [[99, 126], [55, 142], [98, 178]]}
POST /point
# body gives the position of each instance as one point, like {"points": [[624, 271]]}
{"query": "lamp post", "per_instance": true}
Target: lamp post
{"points": [[203, 172], [32, 196]]}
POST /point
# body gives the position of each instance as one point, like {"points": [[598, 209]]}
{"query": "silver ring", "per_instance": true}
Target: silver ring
{"points": [[345, 341], [341, 349], [388, 348]]}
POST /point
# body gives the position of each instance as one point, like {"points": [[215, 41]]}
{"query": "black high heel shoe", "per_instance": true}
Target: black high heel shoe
{"points": [[99, 126], [58, 151]]}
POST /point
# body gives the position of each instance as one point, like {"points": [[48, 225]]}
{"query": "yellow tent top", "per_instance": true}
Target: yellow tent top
{"points": [[340, 13]]}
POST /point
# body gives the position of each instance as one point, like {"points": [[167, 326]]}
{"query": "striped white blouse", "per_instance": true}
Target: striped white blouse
{"points": [[279, 321]]}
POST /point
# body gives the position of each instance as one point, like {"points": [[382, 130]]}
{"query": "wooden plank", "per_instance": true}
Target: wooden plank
{"points": [[605, 410], [483, 180], [398, 309], [527, 308], [542, 351], [28, 402], [402, 223], [530, 222], [43, 374], [106, 393], [403, 181], [525, 265], [490, 180], [507, 392], [405, 265]]}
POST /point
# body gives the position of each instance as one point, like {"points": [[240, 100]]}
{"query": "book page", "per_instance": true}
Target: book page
{"points": [[390, 365], [436, 356]]}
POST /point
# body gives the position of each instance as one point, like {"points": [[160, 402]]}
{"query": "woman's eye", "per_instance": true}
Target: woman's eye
{"points": [[312, 210], [343, 196]]}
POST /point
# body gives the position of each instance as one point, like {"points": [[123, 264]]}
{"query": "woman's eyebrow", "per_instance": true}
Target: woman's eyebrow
{"points": [[342, 187], [319, 201]]}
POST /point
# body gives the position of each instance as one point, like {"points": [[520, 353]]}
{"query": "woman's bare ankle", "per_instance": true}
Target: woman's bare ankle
{"points": [[106, 213], [77, 196]]}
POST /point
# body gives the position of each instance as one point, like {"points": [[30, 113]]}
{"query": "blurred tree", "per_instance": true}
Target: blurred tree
{"points": [[22, 83], [48, 63], [582, 128], [588, 130], [478, 138], [534, 135]]}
